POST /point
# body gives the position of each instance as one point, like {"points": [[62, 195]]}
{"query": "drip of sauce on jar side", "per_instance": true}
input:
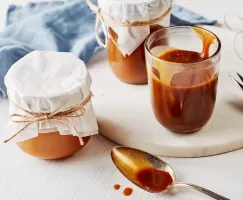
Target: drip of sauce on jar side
{"points": [[116, 187], [186, 102], [154, 179], [127, 191], [132, 68]]}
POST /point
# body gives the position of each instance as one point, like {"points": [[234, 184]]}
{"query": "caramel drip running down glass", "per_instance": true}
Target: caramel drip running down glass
{"points": [[183, 66]]}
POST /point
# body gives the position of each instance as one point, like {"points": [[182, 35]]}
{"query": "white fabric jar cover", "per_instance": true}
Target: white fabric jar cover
{"points": [[48, 82], [129, 38]]}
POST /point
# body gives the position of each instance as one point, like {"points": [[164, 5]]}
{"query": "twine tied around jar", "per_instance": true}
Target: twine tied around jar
{"points": [[30, 117], [103, 17]]}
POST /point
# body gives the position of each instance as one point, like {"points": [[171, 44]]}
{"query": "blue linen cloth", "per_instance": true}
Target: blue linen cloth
{"points": [[63, 26]]}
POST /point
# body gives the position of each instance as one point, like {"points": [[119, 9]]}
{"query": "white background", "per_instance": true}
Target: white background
{"points": [[90, 174]]}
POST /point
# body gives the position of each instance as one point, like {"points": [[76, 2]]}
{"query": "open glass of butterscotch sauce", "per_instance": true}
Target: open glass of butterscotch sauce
{"points": [[183, 66]]}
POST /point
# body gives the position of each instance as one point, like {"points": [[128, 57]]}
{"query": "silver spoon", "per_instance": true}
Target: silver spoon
{"points": [[130, 161]]}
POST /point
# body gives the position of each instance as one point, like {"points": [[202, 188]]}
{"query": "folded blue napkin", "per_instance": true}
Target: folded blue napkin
{"points": [[64, 26]]}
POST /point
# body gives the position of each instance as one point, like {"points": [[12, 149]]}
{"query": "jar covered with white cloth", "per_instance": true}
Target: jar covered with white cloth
{"points": [[50, 110]]}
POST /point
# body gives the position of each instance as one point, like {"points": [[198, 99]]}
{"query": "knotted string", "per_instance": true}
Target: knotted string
{"points": [[104, 18], [30, 117]]}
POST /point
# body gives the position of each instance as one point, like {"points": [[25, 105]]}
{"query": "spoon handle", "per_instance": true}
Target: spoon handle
{"points": [[202, 190]]}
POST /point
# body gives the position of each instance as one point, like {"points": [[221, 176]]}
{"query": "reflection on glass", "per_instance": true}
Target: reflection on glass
{"points": [[234, 22]]}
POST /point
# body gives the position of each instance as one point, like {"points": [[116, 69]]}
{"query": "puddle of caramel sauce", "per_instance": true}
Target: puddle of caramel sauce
{"points": [[154, 179], [127, 191]]}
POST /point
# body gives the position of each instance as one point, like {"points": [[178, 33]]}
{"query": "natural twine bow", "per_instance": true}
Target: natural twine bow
{"points": [[30, 117], [104, 18]]}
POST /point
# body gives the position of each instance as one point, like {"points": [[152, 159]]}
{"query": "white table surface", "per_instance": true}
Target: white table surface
{"points": [[90, 174]]}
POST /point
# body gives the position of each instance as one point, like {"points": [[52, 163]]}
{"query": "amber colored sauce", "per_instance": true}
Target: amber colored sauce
{"points": [[127, 191], [206, 38], [181, 56], [132, 68], [116, 187], [187, 102], [52, 145], [153, 179]]}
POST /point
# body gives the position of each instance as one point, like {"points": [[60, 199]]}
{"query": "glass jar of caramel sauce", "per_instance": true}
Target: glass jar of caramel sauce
{"points": [[125, 44]]}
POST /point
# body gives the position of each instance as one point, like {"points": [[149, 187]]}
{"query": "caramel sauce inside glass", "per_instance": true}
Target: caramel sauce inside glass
{"points": [[184, 101], [52, 145]]}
